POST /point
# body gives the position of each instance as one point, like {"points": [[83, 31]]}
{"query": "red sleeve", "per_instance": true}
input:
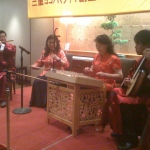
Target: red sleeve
{"points": [[40, 62], [11, 49], [116, 63], [64, 58]]}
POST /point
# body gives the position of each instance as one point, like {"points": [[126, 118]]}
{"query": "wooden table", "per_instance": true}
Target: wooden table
{"points": [[74, 99]]}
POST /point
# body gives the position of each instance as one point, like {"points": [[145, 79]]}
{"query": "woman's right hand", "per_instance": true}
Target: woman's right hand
{"points": [[146, 54], [88, 70], [127, 81], [34, 67]]}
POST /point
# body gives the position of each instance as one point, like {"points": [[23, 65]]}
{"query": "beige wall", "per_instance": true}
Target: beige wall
{"points": [[82, 31], [40, 29], [14, 21], [29, 33], [32, 33]]}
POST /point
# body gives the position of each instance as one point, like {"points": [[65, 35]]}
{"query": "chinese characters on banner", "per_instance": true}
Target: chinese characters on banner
{"points": [[61, 8], [49, 2]]}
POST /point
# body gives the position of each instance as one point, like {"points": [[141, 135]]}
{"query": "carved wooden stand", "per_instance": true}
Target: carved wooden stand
{"points": [[74, 104]]}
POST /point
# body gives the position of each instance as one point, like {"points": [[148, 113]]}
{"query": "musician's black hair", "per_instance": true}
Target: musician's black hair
{"points": [[1, 31], [57, 44], [143, 37], [105, 39]]}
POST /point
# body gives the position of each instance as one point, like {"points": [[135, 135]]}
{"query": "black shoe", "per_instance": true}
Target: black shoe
{"points": [[127, 145], [115, 135], [3, 104]]}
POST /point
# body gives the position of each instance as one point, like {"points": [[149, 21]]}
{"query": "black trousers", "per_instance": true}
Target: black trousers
{"points": [[39, 92], [134, 117]]}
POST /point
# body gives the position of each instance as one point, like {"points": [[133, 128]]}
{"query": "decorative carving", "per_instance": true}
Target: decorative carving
{"points": [[60, 104]]}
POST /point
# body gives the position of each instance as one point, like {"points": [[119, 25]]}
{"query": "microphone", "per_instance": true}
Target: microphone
{"points": [[23, 49]]}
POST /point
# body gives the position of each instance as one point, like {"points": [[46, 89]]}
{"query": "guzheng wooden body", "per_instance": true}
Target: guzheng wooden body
{"points": [[73, 77], [76, 100]]}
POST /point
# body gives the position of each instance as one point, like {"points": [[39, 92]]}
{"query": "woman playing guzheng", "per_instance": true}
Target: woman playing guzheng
{"points": [[106, 66], [52, 56]]}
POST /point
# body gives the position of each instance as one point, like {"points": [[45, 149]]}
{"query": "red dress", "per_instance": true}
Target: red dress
{"points": [[39, 88], [7, 61], [118, 96], [107, 64], [47, 62]]}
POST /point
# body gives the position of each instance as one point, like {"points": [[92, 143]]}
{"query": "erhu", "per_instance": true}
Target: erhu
{"points": [[10, 41]]}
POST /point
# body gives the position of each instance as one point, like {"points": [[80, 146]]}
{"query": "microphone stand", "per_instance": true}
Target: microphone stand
{"points": [[8, 108], [21, 110]]}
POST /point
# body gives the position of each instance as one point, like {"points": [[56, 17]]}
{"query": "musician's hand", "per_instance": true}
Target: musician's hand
{"points": [[88, 70], [127, 81], [55, 57], [101, 74], [146, 54], [34, 67]]}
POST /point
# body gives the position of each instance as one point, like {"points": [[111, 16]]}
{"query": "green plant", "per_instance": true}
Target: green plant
{"points": [[116, 33]]}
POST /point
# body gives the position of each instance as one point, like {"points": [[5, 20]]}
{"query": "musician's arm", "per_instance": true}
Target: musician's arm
{"points": [[89, 71], [62, 59], [126, 82], [39, 63], [117, 75], [146, 54]]}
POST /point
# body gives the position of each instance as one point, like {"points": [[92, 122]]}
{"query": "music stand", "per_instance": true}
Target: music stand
{"points": [[21, 110]]}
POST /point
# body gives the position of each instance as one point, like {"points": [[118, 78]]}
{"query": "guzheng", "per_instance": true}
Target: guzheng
{"points": [[73, 77]]}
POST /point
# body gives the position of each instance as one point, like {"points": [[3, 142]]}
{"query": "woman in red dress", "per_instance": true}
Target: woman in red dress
{"points": [[106, 66], [52, 57], [129, 113]]}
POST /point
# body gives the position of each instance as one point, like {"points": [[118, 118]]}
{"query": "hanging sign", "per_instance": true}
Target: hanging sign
{"points": [[65, 8]]}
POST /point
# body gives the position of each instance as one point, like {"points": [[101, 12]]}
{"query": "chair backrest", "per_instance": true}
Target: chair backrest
{"points": [[69, 58]]}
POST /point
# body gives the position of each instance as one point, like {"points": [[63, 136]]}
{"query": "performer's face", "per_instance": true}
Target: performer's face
{"points": [[101, 48], [3, 37], [139, 47], [51, 44]]}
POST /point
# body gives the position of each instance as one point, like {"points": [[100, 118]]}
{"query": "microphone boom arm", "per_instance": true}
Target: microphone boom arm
{"points": [[23, 49]]}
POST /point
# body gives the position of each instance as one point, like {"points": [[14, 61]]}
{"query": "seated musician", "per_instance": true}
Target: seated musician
{"points": [[52, 57], [129, 113], [106, 66], [7, 63]]}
